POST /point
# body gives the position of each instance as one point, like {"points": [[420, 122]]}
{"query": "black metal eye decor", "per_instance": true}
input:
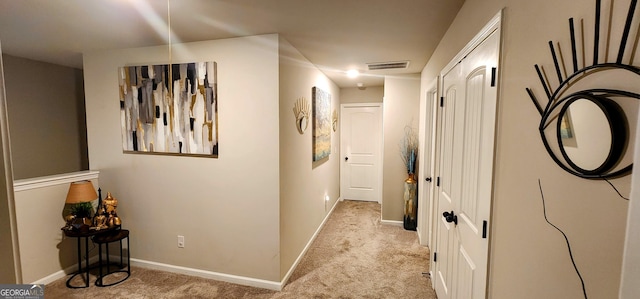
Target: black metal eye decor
{"points": [[591, 135]]}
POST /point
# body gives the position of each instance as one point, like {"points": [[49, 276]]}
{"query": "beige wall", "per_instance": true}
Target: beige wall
{"points": [[373, 94], [45, 104], [227, 208], [303, 183], [529, 258], [400, 108]]}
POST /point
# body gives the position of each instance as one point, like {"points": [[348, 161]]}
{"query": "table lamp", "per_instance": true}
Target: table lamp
{"points": [[80, 195]]}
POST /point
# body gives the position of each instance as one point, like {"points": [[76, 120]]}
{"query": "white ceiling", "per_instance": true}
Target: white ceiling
{"points": [[335, 35]]}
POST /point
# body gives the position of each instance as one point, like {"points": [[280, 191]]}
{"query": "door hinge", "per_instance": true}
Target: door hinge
{"points": [[484, 229], [441, 101], [438, 181], [435, 256], [493, 76]]}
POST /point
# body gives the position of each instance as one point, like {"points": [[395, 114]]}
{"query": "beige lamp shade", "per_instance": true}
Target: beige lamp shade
{"points": [[81, 191]]}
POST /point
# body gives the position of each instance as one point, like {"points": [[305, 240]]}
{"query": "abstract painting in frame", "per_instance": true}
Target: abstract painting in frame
{"points": [[321, 123], [169, 110]]}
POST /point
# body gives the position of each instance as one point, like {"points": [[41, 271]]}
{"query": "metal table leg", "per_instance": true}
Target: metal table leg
{"points": [[86, 271]]}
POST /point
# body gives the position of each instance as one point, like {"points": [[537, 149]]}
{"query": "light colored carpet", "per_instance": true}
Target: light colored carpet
{"points": [[354, 256]]}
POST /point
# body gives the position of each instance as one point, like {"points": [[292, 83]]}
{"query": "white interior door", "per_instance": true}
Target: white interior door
{"points": [[466, 172], [448, 183], [361, 151], [427, 167]]}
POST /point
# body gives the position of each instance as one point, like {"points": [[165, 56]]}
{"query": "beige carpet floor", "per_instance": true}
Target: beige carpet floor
{"points": [[354, 256]]}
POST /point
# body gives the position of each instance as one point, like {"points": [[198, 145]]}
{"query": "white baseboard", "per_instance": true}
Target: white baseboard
{"points": [[392, 222], [62, 273], [306, 248], [247, 281]]}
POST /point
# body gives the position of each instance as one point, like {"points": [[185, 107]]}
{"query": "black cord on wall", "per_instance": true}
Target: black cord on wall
{"points": [[614, 188], [544, 210]]}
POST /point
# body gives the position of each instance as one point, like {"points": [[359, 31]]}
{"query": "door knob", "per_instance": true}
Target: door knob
{"points": [[450, 217], [346, 158]]}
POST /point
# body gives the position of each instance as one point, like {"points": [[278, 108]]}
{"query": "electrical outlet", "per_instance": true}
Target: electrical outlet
{"points": [[180, 241]]}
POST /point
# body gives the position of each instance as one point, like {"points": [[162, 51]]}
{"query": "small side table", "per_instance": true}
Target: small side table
{"points": [[80, 235], [106, 238]]}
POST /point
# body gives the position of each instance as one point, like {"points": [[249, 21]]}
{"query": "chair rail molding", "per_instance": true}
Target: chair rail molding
{"points": [[52, 180]]}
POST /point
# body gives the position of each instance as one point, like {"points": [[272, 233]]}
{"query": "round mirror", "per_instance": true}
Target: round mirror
{"points": [[592, 133], [302, 123]]}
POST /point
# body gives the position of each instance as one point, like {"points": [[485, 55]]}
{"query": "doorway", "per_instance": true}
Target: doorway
{"points": [[464, 175], [361, 151], [428, 167]]}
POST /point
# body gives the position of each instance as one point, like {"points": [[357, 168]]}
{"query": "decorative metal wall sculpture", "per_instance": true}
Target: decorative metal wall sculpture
{"points": [[301, 113], [170, 116], [321, 124], [582, 89]]}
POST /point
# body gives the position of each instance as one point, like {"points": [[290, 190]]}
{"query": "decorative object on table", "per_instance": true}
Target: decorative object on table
{"points": [[106, 215], [110, 204], [100, 219], [321, 123], [170, 109], [301, 110], [334, 120], [590, 137], [409, 153], [79, 197]]}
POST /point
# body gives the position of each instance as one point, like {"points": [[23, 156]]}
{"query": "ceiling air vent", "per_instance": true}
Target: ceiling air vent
{"points": [[388, 65]]}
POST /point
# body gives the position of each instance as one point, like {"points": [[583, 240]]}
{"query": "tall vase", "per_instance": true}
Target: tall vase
{"points": [[410, 203]]}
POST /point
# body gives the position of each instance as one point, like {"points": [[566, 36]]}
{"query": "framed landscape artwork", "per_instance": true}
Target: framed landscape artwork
{"points": [[321, 123], [169, 110]]}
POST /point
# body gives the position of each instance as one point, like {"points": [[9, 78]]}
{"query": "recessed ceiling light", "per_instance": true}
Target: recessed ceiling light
{"points": [[353, 73]]}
